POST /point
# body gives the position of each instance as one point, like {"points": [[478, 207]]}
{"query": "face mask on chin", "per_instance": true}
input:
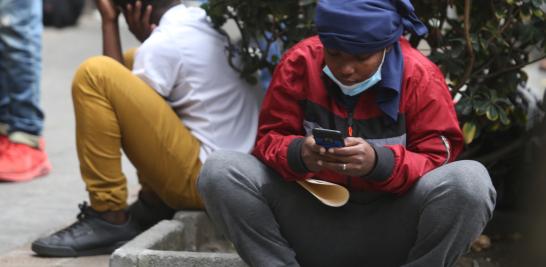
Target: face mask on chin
{"points": [[357, 88]]}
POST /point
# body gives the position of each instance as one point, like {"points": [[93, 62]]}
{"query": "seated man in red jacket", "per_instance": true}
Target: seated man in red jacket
{"points": [[409, 204]]}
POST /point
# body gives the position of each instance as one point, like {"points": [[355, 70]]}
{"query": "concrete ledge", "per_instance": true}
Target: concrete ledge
{"points": [[184, 258], [188, 240]]}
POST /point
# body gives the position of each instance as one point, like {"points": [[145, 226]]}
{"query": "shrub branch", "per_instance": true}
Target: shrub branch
{"points": [[469, 49]]}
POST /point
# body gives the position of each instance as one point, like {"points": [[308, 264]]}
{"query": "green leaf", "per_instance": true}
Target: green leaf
{"points": [[493, 95], [469, 132], [464, 106], [492, 113], [503, 101], [537, 3], [503, 115], [481, 107]]}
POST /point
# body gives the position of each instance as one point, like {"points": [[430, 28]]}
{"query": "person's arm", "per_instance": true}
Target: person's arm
{"points": [[280, 133], [111, 44], [434, 137]]}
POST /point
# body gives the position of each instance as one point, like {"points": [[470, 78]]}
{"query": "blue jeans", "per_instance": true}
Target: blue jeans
{"points": [[20, 65]]}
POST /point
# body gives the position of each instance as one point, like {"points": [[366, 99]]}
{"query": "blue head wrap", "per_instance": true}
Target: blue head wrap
{"points": [[368, 26], [365, 26]]}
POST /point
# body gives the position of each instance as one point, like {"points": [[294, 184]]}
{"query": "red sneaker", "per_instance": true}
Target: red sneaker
{"points": [[21, 162], [4, 142]]}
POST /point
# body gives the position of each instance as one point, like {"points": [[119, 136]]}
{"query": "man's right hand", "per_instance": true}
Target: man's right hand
{"points": [[312, 154], [108, 11]]}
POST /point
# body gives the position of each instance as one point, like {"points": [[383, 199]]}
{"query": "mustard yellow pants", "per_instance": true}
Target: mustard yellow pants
{"points": [[116, 110]]}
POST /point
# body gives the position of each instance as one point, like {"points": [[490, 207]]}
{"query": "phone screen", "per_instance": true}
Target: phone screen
{"points": [[328, 138]]}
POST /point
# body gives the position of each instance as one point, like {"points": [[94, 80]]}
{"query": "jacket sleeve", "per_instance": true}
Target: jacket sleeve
{"points": [[432, 131], [281, 132]]}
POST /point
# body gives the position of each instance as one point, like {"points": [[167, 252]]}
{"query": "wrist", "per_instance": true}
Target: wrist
{"points": [[109, 22], [295, 157], [373, 162], [383, 165]]}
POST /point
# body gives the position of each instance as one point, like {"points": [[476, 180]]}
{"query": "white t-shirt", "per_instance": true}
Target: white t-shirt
{"points": [[185, 61]]}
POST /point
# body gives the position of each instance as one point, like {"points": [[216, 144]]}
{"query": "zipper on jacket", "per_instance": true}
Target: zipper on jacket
{"points": [[350, 125], [350, 134]]}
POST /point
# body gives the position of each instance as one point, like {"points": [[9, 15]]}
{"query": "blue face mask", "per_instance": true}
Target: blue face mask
{"points": [[360, 87]]}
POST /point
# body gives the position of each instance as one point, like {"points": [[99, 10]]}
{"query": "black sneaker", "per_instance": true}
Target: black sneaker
{"points": [[90, 235], [147, 215]]}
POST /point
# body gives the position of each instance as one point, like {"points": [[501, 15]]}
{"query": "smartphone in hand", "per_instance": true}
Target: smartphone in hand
{"points": [[328, 138]]}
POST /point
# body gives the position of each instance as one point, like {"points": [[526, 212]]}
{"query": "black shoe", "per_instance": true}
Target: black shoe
{"points": [[147, 215], [90, 235]]}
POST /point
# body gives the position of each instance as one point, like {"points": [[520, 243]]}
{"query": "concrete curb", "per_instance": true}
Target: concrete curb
{"points": [[188, 240]]}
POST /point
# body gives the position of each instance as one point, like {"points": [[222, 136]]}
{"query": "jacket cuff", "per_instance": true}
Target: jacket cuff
{"points": [[384, 165], [294, 158]]}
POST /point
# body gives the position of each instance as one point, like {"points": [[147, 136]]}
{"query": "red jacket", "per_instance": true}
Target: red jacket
{"points": [[425, 135]]}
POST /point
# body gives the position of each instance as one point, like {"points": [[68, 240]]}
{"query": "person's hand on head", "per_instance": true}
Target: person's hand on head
{"points": [[139, 20], [108, 11], [357, 158]]}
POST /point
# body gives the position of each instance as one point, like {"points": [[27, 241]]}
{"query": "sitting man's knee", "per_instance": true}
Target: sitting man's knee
{"points": [[95, 64], [92, 67], [470, 182]]}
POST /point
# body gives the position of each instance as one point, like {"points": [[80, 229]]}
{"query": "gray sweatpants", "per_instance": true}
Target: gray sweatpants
{"points": [[276, 223]]}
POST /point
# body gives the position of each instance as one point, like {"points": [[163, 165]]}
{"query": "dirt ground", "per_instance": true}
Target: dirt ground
{"points": [[517, 240]]}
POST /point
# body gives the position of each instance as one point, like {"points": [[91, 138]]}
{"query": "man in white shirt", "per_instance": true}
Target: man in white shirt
{"points": [[181, 102]]}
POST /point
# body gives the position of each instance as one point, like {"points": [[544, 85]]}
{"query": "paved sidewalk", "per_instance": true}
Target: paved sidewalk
{"points": [[24, 257], [36, 208]]}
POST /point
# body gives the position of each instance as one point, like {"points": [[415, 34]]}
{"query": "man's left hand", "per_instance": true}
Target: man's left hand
{"points": [[108, 11], [357, 158]]}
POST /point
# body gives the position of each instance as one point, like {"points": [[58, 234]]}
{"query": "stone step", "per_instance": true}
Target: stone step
{"points": [[187, 240]]}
